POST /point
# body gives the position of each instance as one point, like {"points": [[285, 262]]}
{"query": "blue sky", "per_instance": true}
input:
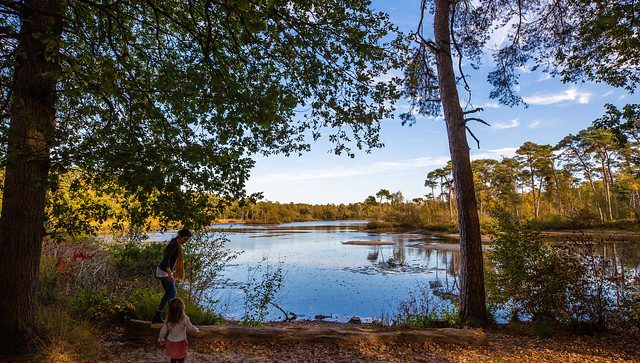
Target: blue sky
{"points": [[555, 110]]}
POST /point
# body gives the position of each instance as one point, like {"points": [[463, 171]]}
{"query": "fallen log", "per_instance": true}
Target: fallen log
{"points": [[348, 334]]}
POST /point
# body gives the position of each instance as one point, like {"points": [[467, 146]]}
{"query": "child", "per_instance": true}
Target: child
{"points": [[175, 331]]}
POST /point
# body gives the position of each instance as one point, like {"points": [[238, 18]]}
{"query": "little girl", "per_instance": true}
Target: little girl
{"points": [[175, 331]]}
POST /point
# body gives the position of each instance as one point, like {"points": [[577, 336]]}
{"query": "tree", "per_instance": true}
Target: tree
{"points": [[506, 182], [573, 148], [624, 124], [484, 173], [558, 36], [170, 99], [396, 198], [602, 144], [383, 194], [538, 158], [370, 200], [429, 90], [431, 182]]}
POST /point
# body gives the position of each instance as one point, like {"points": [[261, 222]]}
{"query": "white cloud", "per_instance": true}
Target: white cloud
{"points": [[388, 76], [495, 153], [571, 94], [524, 69], [544, 77], [491, 104], [507, 125], [344, 172], [534, 124], [339, 172]]}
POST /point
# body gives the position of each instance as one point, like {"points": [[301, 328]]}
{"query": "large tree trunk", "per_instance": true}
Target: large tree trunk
{"points": [[32, 115], [472, 296]]}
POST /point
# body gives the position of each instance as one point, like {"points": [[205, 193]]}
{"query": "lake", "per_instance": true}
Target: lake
{"points": [[323, 276]]}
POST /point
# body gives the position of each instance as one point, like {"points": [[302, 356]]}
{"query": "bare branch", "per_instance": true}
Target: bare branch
{"points": [[459, 51], [425, 42], [479, 109], [472, 135], [477, 119]]}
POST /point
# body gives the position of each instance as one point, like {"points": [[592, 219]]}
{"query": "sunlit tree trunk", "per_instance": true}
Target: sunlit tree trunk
{"points": [[472, 296], [607, 193], [587, 172], [32, 114], [557, 187]]}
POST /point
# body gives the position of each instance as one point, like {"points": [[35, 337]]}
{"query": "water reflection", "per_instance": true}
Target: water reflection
{"points": [[323, 276]]}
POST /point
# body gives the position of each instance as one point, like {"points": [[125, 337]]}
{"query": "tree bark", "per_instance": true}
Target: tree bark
{"points": [[32, 114], [472, 295]]}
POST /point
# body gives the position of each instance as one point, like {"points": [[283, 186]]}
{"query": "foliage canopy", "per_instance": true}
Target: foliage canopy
{"points": [[170, 98]]}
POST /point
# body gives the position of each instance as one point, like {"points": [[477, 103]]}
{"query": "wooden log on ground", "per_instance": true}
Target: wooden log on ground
{"points": [[137, 330]]}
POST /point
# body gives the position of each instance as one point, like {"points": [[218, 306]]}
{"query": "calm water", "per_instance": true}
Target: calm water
{"points": [[323, 276]]}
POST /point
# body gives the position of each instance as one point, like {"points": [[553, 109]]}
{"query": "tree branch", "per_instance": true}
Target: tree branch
{"points": [[476, 119], [472, 135], [479, 109]]}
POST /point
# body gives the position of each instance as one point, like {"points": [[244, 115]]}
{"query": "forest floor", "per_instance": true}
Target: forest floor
{"points": [[501, 345]]}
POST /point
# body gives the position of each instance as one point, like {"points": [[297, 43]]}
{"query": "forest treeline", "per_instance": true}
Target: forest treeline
{"points": [[588, 179]]}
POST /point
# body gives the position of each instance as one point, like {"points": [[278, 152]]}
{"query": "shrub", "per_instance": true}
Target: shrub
{"points": [[205, 257], [145, 300], [419, 311], [136, 258], [73, 266], [103, 306], [261, 289], [380, 225], [199, 315], [529, 278]]}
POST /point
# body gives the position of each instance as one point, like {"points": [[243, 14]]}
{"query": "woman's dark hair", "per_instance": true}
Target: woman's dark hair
{"points": [[176, 311], [184, 233]]}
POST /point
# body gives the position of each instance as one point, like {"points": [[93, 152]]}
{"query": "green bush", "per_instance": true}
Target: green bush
{"points": [[137, 258], [103, 306], [381, 225], [531, 279], [145, 300], [419, 311], [201, 316]]}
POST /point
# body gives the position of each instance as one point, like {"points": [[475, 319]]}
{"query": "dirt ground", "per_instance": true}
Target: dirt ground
{"points": [[501, 346]]}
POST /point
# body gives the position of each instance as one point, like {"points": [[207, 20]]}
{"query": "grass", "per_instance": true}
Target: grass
{"points": [[65, 339]]}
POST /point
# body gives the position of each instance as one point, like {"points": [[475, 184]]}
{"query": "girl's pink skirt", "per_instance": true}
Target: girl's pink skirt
{"points": [[177, 350]]}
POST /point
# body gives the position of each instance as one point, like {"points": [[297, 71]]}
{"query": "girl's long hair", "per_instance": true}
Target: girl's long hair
{"points": [[176, 311]]}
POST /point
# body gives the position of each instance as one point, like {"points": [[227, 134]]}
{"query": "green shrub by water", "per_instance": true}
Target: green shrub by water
{"points": [[420, 311], [137, 258], [568, 283], [102, 306]]}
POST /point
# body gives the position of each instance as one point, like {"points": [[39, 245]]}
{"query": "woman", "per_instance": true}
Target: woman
{"points": [[171, 268]]}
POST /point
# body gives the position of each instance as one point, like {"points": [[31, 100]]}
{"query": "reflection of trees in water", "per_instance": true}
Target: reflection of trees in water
{"points": [[395, 259], [399, 253], [373, 255], [445, 286]]}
